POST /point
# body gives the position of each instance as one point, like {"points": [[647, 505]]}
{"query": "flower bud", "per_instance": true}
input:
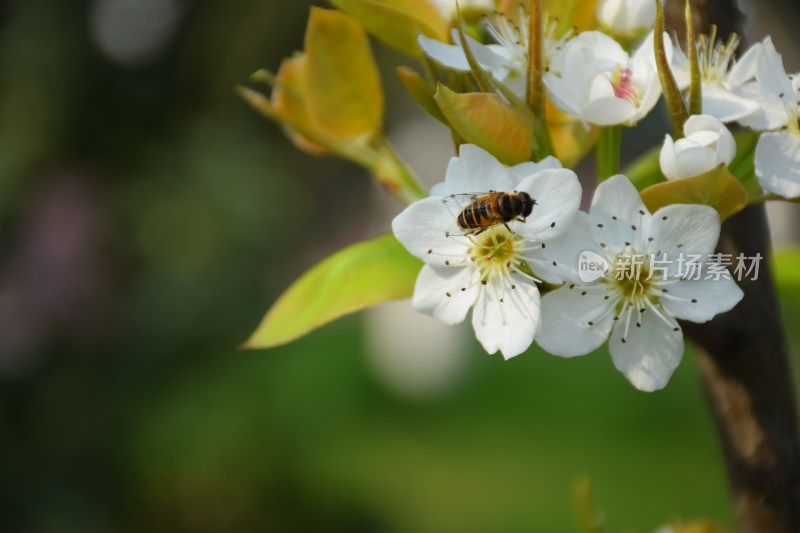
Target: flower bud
{"points": [[706, 145], [626, 18]]}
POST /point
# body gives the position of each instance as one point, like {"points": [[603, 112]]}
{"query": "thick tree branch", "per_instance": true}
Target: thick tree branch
{"points": [[745, 366]]}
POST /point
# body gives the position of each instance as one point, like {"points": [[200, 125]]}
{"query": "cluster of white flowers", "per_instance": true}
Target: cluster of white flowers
{"points": [[757, 93], [591, 77], [495, 271], [601, 78]]}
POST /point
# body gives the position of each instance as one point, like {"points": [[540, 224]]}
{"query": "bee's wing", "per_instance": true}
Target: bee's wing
{"points": [[455, 204]]}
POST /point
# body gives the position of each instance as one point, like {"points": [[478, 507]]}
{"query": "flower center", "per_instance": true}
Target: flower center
{"points": [[623, 86], [794, 120], [630, 274], [715, 57], [495, 250]]}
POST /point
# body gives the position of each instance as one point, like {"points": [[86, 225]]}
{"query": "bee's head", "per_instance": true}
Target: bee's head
{"points": [[527, 203]]}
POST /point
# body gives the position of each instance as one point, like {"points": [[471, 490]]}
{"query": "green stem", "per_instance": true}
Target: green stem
{"points": [[607, 152], [396, 176]]}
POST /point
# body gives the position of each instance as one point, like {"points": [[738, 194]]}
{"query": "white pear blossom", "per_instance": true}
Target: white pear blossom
{"points": [[491, 272], [601, 84], [507, 58], [627, 18], [777, 157], [723, 78], [706, 144], [771, 89], [636, 302]]}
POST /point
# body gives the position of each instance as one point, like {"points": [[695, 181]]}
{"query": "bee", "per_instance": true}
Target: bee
{"points": [[487, 210]]}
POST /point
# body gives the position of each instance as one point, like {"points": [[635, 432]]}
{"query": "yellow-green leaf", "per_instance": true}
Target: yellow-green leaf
{"points": [[486, 120], [717, 188], [343, 87], [288, 100], [360, 276], [397, 23], [421, 91]]}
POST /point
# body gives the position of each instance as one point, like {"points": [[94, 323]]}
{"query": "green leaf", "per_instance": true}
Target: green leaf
{"points": [[360, 276], [486, 120], [344, 93], [397, 23], [717, 188]]}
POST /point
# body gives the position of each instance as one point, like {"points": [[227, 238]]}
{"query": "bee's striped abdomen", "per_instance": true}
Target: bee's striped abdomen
{"points": [[474, 216]]}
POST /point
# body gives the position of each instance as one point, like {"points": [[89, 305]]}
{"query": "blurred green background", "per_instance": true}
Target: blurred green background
{"points": [[148, 219]]}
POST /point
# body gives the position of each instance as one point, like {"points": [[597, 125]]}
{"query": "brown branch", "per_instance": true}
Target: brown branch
{"points": [[746, 374], [745, 367]]}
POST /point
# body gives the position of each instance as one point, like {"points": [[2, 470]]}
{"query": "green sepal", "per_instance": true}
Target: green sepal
{"points": [[717, 188], [672, 95]]}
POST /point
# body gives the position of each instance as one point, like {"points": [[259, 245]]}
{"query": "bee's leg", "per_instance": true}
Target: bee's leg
{"points": [[508, 227], [478, 231], [522, 219]]}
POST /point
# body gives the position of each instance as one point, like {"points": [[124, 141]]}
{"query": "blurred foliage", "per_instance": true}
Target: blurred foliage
{"points": [[124, 403]]}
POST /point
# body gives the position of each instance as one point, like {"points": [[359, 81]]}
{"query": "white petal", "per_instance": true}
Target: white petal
{"points": [[560, 92], [566, 317], [778, 163], [563, 253], [683, 228], [703, 299], [447, 55], [523, 170], [608, 111], [421, 228], [651, 87], [618, 215], [770, 72], [487, 56], [771, 112], [645, 55], [510, 325], [440, 189], [693, 160], [650, 353], [668, 159], [725, 105], [558, 197], [476, 170], [680, 68], [603, 46], [744, 69], [725, 143], [432, 289]]}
